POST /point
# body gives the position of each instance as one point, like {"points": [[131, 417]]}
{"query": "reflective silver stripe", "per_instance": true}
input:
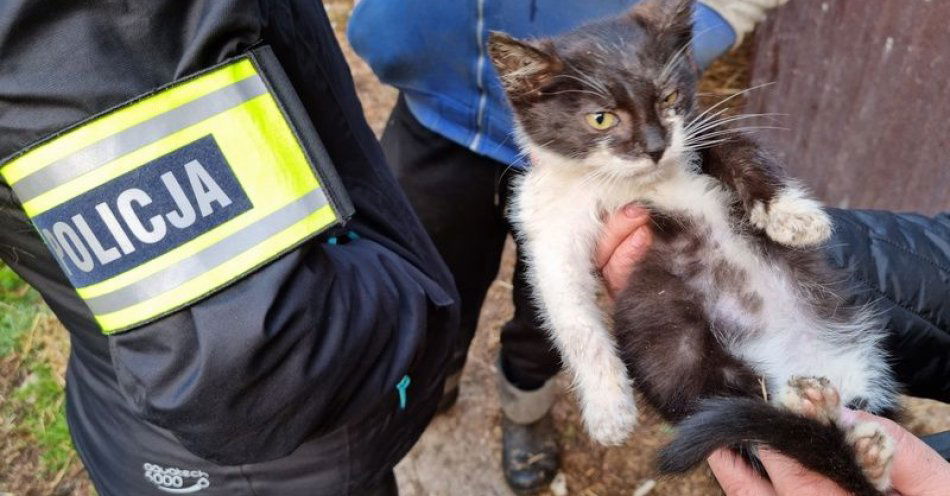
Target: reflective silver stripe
{"points": [[209, 258], [110, 148]]}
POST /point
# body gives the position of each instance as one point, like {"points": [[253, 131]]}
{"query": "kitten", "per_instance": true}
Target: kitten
{"points": [[733, 300]]}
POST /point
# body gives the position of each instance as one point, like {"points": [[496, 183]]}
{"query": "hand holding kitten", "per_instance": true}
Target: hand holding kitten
{"points": [[626, 236], [623, 242], [916, 469]]}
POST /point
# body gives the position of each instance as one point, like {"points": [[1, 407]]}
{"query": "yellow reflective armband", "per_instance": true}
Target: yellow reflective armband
{"points": [[164, 200]]}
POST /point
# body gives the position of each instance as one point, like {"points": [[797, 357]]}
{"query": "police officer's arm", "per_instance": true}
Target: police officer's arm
{"points": [[298, 348], [314, 340]]}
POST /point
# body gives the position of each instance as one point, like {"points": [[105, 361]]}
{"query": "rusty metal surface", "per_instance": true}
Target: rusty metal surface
{"points": [[867, 87]]}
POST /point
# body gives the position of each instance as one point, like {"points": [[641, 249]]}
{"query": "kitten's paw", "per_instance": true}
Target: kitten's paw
{"points": [[792, 219], [813, 397], [610, 418], [873, 450]]}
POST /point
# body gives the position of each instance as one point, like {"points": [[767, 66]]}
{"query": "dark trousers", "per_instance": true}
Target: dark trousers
{"points": [[460, 197]]}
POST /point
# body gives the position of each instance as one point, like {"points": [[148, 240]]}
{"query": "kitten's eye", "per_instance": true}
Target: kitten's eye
{"points": [[671, 98], [602, 121]]}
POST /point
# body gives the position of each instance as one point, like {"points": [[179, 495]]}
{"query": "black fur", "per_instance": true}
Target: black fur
{"points": [[748, 422]]}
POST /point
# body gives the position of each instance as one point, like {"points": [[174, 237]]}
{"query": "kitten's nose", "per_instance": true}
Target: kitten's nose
{"points": [[654, 143], [657, 154]]}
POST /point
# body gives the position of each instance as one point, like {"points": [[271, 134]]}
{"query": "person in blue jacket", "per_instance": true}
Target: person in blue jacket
{"points": [[449, 140]]}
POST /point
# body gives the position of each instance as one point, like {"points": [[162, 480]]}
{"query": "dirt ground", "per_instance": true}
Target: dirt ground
{"points": [[459, 453]]}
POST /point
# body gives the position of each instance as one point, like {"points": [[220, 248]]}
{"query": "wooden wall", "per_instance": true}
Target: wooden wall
{"points": [[867, 87]]}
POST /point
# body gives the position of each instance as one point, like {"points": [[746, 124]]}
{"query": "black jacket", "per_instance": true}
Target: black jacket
{"points": [[288, 374], [902, 262]]}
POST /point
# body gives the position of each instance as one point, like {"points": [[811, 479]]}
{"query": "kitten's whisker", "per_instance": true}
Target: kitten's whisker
{"points": [[727, 120], [715, 138], [674, 61], [588, 81], [736, 130], [700, 122], [589, 92], [703, 145], [711, 128], [712, 118], [597, 90], [765, 114], [724, 100], [680, 55], [707, 123]]}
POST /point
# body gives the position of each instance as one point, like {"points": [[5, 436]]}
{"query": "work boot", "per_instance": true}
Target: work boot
{"points": [[530, 454]]}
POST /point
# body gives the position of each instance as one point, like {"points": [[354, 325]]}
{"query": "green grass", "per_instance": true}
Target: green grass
{"points": [[36, 401], [19, 307], [41, 396]]}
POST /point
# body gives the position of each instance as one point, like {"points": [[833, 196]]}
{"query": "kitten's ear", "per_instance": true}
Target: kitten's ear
{"points": [[522, 66], [670, 18]]}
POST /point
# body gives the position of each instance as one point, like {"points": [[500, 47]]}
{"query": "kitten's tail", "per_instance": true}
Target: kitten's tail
{"points": [[744, 423]]}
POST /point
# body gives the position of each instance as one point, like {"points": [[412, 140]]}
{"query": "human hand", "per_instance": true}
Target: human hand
{"points": [[916, 470], [624, 241]]}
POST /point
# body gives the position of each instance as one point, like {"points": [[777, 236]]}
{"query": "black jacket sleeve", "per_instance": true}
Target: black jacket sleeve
{"points": [[902, 262], [315, 339]]}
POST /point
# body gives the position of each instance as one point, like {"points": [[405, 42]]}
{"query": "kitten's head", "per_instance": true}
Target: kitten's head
{"points": [[611, 96]]}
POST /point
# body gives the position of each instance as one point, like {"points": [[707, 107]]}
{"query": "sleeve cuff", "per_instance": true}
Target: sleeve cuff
{"points": [[742, 15], [712, 36]]}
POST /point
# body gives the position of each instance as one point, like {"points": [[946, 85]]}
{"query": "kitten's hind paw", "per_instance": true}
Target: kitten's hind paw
{"points": [[610, 419], [813, 397], [792, 219], [873, 450]]}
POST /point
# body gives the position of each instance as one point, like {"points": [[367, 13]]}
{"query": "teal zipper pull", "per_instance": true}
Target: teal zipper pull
{"points": [[401, 388], [350, 236]]}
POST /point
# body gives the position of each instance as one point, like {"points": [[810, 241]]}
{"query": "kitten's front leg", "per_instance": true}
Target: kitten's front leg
{"points": [[558, 235], [792, 218], [772, 202]]}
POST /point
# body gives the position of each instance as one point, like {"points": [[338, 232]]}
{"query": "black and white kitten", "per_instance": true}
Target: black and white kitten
{"points": [[734, 301]]}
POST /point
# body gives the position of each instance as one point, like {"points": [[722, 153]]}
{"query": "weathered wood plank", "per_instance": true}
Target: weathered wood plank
{"points": [[866, 84]]}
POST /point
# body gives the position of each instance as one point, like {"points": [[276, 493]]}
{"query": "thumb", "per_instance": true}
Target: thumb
{"points": [[790, 477], [735, 476], [916, 468]]}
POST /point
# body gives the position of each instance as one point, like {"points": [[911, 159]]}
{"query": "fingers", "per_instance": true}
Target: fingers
{"points": [[631, 251], [625, 239], [617, 228], [736, 477], [916, 468], [789, 477]]}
